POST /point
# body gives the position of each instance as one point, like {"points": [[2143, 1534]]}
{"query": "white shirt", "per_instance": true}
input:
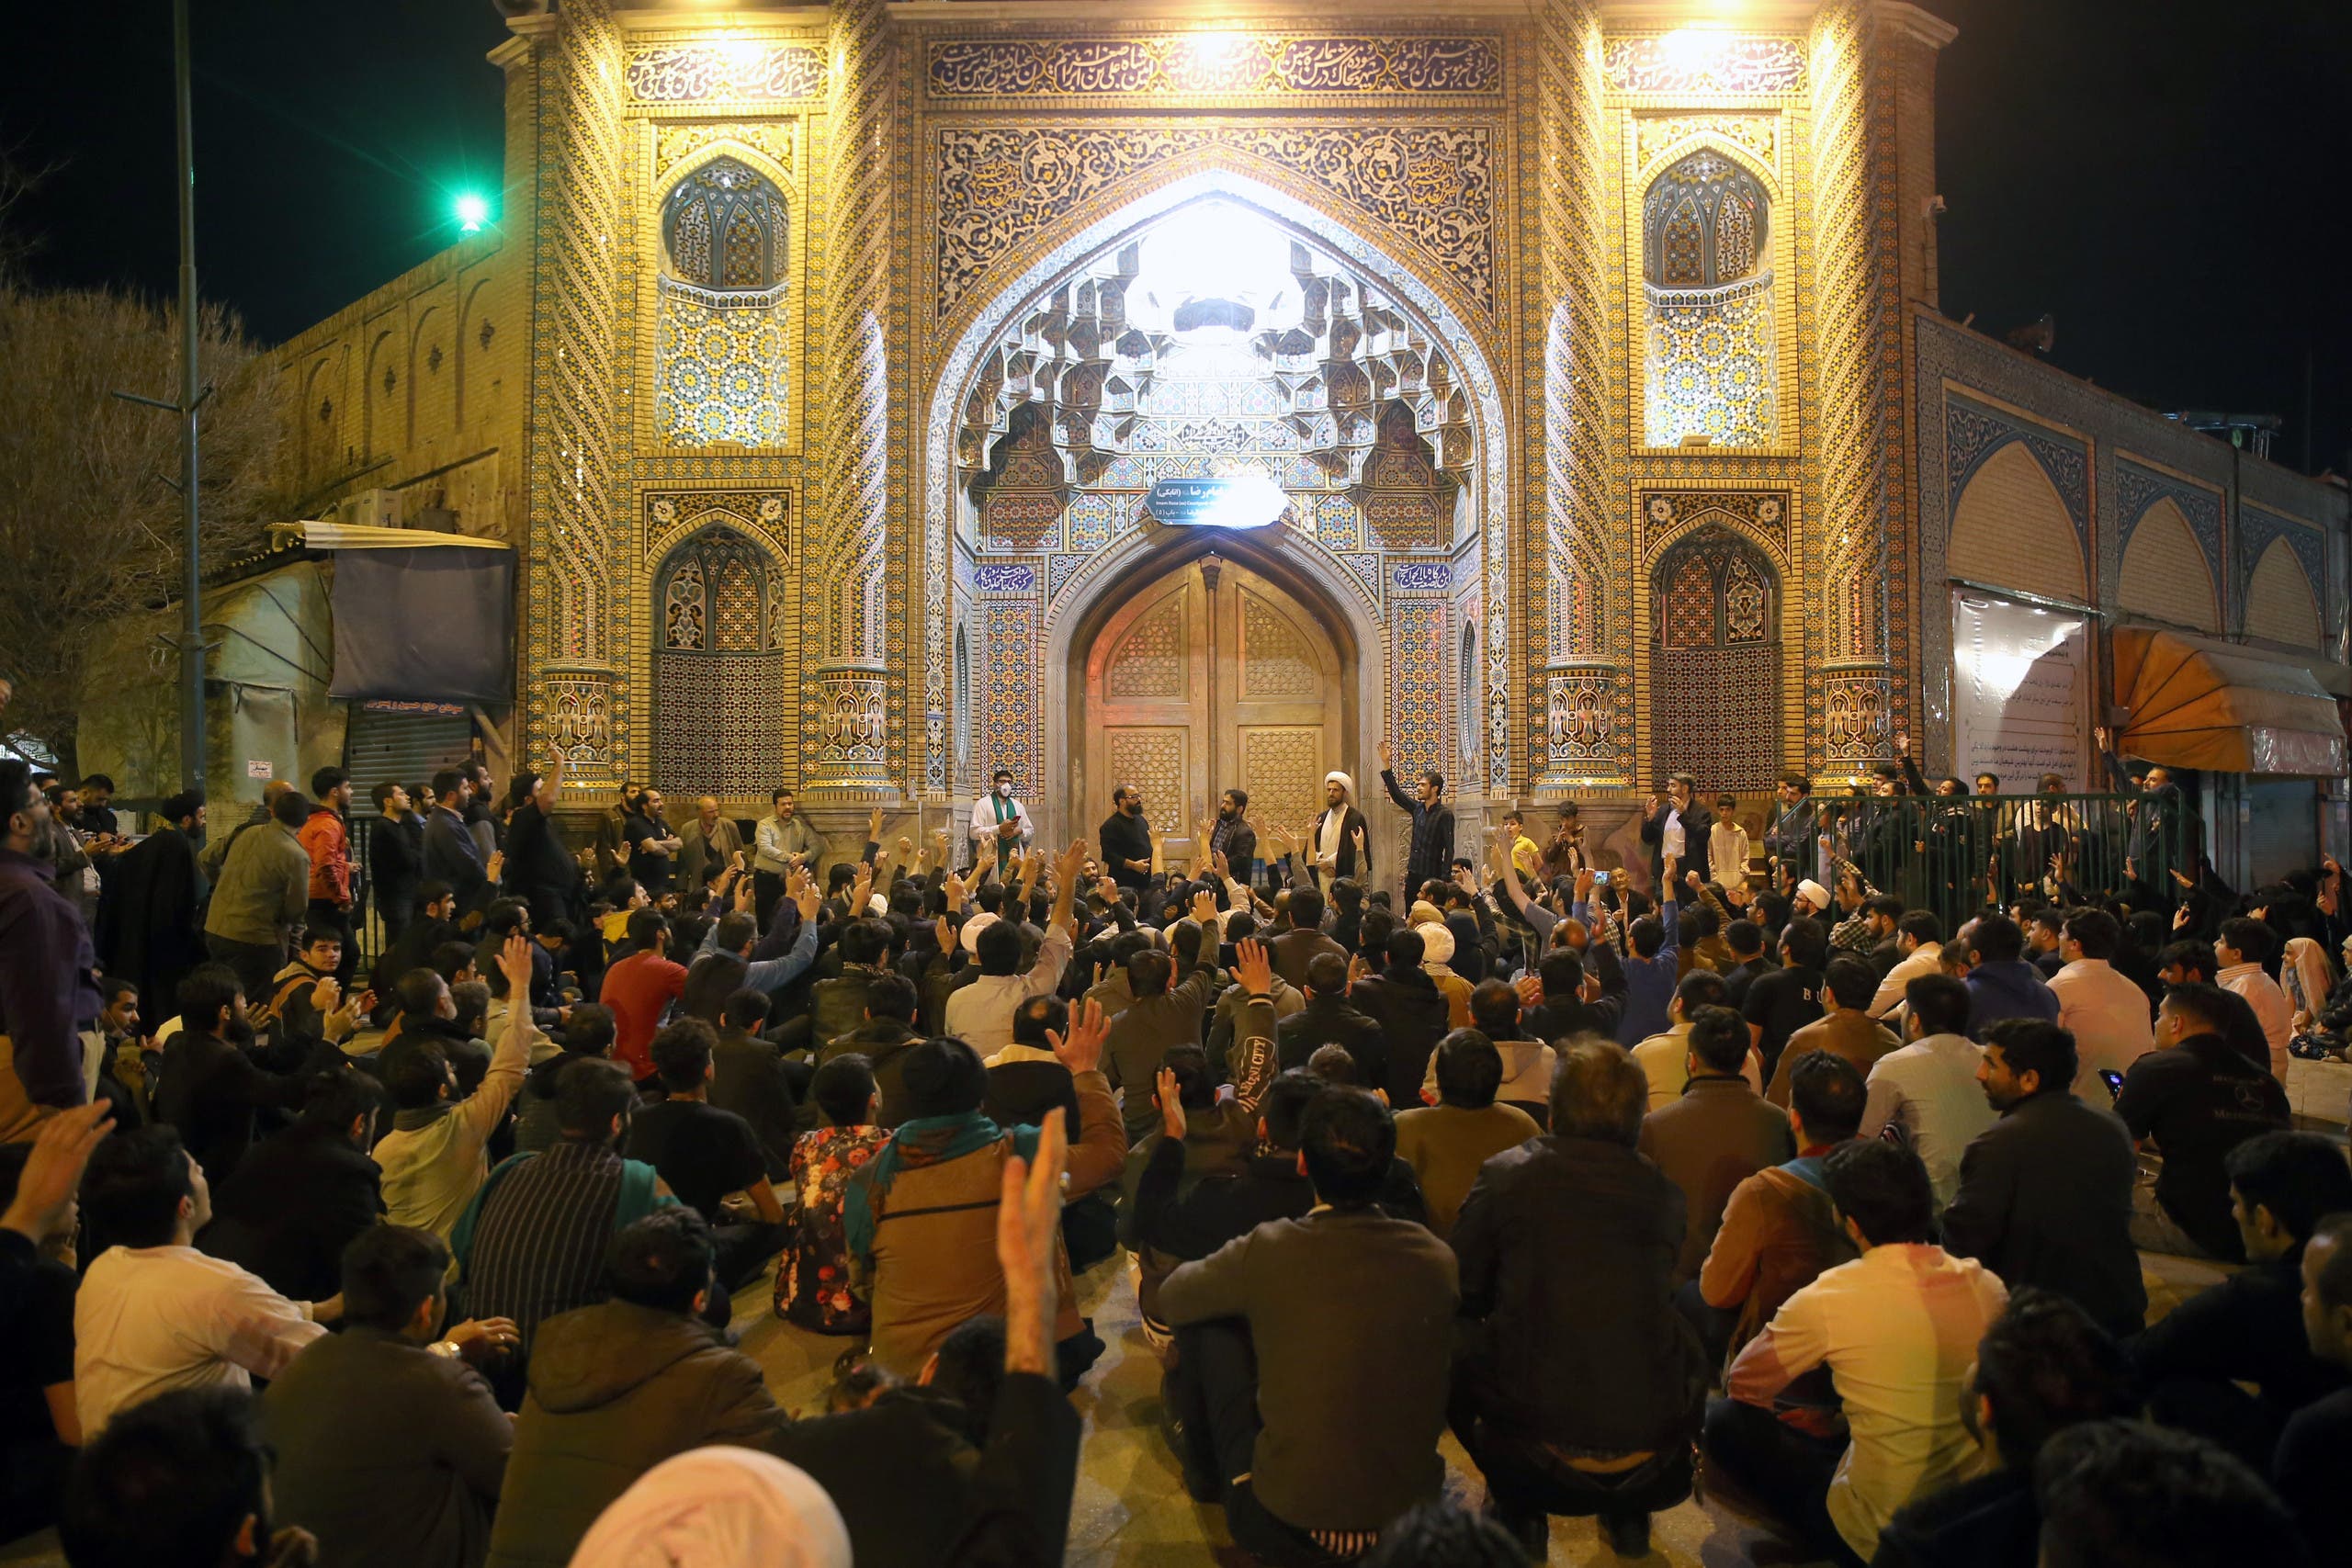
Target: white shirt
{"points": [[1727, 853], [1898, 1328], [2109, 1015], [1925, 959], [151, 1319], [2268, 1000], [1669, 838], [1929, 1088], [984, 821], [980, 1014]]}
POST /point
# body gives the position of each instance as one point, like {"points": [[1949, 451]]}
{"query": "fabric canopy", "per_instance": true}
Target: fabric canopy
{"points": [[2193, 706], [419, 617]]}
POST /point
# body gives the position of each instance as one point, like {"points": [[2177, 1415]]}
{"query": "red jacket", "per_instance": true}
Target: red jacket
{"points": [[328, 843], [639, 990]]}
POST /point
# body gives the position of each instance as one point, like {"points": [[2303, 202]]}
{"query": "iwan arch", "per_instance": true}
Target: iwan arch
{"points": [[830, 373]]}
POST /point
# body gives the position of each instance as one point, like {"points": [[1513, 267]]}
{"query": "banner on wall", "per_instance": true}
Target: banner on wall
{"points": [[2020, 683]]}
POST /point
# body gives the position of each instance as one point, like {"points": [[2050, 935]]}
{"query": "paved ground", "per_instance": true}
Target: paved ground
{"points": [[1131, 1511]]}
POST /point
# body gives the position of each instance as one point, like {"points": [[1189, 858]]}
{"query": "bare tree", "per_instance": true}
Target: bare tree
{"points": [[89, 520]]}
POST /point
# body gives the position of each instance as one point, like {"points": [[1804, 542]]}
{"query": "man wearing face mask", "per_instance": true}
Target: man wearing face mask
{"points": [[1126, 840], [49, 992], [1000, 828]]}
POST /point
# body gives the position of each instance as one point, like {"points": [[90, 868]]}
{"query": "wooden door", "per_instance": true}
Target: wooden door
{"points": [[1212, 678]]}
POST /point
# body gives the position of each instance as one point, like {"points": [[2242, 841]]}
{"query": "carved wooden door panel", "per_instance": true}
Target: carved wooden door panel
{"points": [[1211, 678], [1147, 711], [1278, 699]]}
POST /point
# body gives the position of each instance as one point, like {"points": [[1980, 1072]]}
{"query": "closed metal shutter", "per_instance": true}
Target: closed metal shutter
{"points": [[2283, 828], [407, 743]]}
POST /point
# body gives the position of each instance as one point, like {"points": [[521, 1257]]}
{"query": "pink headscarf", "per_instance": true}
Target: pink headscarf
{"points": [[718, 1507]]}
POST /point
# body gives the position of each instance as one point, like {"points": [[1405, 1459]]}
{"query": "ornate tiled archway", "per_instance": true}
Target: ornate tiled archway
{"points": [[1411, 606]]}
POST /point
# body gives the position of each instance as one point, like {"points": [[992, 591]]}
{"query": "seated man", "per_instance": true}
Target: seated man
{"points": [[2195, 1360], [208, 1086], [748, 1077], [1928, 1087], [183, 1478], [620, 1386], [917, 1215], [980, 1013], [1845, 1026], [436, 1156], [1716, 1136], [1576, 1227], [883, 1037], [1329, 1018], [1446, 1143], [346, 1418], [1896, 1327], [704, 1155], [154, 1314], [1159, 1015], [303, 1194], [1664, 1059], [2119, 1492], [1780, 1230], [2042, 1367], [1313, 1440], [2315, 1451], [2195, 1099], [812, 1284], [2045, 1192]]}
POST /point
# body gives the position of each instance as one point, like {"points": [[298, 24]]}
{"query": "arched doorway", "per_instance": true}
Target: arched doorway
{"points": [[1715, 652], [1209, 676]]}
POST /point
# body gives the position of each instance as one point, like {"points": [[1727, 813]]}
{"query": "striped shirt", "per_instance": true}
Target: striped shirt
{"points": [[541, 1239]]}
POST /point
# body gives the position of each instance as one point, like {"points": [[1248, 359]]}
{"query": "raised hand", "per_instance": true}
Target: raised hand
{"points": [[943, 934], [746, 894], [1068, 863], [2099, 734], [873, 825], [1531, 990], [1387, 760], [52, 1172], [1171, 1106], [1253, 971], [1089, 1027], [1028, 1227], [514, 963], [1902, 743], [956, 891], [805, 900]]}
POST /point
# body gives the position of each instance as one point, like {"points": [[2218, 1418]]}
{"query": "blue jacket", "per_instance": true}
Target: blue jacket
{"points": [[2008, 988]]}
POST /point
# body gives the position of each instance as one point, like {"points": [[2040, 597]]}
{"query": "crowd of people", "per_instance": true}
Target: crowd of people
{"points": [[1738, 1164]]}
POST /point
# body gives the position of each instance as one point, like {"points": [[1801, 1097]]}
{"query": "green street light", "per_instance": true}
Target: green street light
{"points": [[472, 213]]}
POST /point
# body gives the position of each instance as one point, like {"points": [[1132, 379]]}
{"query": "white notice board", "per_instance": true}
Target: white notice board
{"points": [[2020, 683]]}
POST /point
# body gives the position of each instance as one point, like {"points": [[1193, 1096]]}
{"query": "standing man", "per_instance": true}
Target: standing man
{"points": [[264, 892], [1790, 838], [2166, 833], [1429, 855], [651, 844], [1126, 840], [326, 837], [1231, 836], [782, 842], [540, 868], [708, 845], [1678, 832], [1332, 843], [450, 854], [49, 992], [1001, 825], [395, 858], [150, 937]]}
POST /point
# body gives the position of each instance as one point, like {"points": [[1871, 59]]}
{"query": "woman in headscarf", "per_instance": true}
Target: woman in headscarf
{"points": [[718, 1507]]}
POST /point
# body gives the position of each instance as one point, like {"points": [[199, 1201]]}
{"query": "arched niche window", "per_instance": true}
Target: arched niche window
{"points": [[719, 668], [1715, 649], [1707, 283], [726, 251]]}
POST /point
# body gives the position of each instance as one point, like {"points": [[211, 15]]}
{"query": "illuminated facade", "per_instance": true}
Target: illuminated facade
{"points": [[838, 351]]}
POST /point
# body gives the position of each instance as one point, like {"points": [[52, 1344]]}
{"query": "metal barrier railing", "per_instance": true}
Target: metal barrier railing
{"points": [[1954, 853]]}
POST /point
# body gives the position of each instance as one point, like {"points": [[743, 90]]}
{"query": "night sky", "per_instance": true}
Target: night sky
{"points": [[2156, 173]]}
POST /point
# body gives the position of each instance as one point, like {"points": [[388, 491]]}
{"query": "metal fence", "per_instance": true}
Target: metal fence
{"points": [[1954, 853]]}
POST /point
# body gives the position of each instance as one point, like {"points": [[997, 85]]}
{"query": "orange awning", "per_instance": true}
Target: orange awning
{"points": [[2194, 706]]}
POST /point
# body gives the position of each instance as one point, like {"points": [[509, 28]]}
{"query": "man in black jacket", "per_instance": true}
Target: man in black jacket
{"points": [[2042, 1366], [2197, 1099], [1429, 854], [1677, 831], [539, 867], [148, 932], [1126, 840], [1576, 1227], [1231, 836], [208, 1086], [1791, 838], [2197, 1359], [395, 858], [1410, 1012], [2045, 1192], [1329, 1019], [748, 1077], [301, 1195]]}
